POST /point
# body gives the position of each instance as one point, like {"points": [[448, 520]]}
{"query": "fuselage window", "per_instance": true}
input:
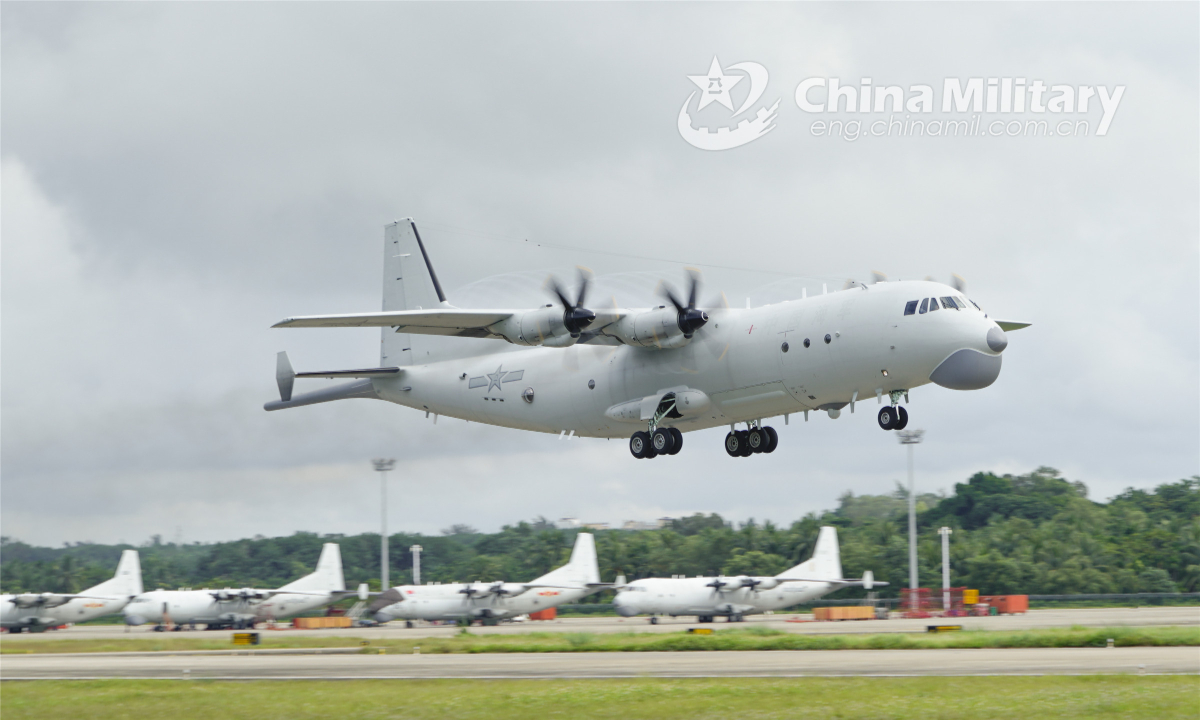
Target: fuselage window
{"points": [[933, 304], [910, 308], [948, 303], [924, 306]]}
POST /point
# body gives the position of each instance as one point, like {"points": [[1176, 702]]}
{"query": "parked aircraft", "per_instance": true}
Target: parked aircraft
{"points": [[736, 597], [492, 601], [241, 608], [670, 369], [37, 611]]}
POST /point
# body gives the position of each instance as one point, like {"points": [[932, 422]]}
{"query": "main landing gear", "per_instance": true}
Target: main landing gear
{"points": [[662, 441], [755, 439], [893, 417]]}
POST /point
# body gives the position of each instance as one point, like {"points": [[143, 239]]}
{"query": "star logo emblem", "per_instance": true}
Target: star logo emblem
{"points": [[494, 378], [715, 86]]}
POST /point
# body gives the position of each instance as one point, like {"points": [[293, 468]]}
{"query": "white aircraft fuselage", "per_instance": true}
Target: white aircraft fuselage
{"points": [[737, 361], [187, 607], [696, 596], [446, 602], [37, 611]]}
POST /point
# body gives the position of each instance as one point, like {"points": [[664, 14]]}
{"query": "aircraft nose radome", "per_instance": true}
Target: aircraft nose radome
{"points": [[623, 609], [967, 369], [997, 340]]}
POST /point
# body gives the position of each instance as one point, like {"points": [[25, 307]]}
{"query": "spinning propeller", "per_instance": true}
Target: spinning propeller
{"points": [[575, 316], [716, 585], [690, 319]]}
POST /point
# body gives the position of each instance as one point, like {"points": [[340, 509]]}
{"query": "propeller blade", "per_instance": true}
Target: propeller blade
{"points": [[557, 289], [585, 279], [958, 283], [878, 277], [666, 290], [694, 289]]}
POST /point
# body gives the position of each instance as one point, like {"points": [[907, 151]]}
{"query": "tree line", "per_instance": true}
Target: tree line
{"points": [[1036, 533]]}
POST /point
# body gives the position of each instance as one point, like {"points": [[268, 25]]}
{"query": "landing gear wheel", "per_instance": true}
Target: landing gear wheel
{"points": [[757, 440], [736, 617], [639, 443], [901, 418], [888, 418], [408, 624], [744, 438], [733, 444], [772, 439], [653, 620], [663, 441], [678, 440]]}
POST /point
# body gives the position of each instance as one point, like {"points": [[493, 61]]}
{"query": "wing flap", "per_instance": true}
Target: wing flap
{"points": [[366, 373]]}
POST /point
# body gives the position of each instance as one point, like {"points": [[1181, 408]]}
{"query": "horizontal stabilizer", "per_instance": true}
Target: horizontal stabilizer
{"points": [[358, 389], [1009, 325], [367, 373]]}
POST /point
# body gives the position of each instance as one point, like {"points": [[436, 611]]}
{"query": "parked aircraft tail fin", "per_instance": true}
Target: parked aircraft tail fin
{"points": [[409, 283], [328, 575], [126, 583], [581, 569], [826, 560]]}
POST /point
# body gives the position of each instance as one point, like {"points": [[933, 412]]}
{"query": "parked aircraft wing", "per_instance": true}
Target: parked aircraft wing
{"points": [[391, 596], [1007, 325], [439, 321]]}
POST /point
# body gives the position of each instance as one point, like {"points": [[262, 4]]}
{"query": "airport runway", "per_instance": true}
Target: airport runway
{"points": [[1043, 661], [1090, 617]]}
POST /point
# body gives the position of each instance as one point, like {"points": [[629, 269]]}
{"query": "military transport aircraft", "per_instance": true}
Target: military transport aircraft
{"points": [[736, 597], [493, 601], [241, 608], [670, 369], [37, 611]]}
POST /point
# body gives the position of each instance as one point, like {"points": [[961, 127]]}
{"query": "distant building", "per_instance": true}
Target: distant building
{"points": [[640, 525], [664, 521], [595, 526]]}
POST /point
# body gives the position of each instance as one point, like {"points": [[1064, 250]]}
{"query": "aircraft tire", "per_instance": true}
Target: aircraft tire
{"points": [[408, 624], [744, 439], [678, 440], [901, 418], [756, 440], [639, 443], [772, 440], [653, 620], [733, 445], [888, 417], [662, 441]]}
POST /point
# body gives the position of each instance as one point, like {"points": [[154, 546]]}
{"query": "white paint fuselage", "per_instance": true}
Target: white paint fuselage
{"points": [[695, 596], [187, 607], [445, 602], [737, 360]]}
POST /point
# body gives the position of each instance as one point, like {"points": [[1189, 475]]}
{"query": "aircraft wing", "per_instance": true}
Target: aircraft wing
{"points": [[442, 321], [833, 581], [1010, 325]]}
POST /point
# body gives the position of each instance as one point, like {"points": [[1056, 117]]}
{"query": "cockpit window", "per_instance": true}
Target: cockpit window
{"points": [[924, 306], [911, 307], [948, 303], [933, 304], [959, 301]]}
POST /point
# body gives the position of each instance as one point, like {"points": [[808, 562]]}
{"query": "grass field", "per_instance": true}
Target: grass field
{"points": [[748, 638], [1062, 698]]}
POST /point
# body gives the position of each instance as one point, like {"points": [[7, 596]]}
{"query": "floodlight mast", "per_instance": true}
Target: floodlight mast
{"points": [[382, 466], [910, 438], [945, 533], [416, 553]]}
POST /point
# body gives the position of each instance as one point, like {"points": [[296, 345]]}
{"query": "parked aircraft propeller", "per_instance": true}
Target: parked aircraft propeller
{"points": [[716, 585], [576, 317], [690, 318]]}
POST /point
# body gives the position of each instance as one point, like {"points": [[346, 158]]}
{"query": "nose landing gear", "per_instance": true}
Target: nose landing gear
{"points": [[893, 417]]}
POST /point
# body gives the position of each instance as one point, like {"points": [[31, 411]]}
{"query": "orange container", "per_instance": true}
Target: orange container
{"points": [[852, 612], [1008, 604], [311, 623], [547, 614]]}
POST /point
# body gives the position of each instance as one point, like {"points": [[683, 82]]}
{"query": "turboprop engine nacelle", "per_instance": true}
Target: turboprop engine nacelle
{"points": [[657, 328], [44, 600], [544, 326]]}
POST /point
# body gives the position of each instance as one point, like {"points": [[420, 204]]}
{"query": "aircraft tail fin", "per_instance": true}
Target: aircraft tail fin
{"points": [[826, 560], [581, 569], [328, 576], [126, 582], [409, 283]]}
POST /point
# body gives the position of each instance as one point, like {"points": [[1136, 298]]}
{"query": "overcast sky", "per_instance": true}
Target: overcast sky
{"points": [[178, 177]]}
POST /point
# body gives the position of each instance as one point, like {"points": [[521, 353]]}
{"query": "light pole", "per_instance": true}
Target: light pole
{"points": [[945, 533], [910, 438], [382, 466], [416, 551]]}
